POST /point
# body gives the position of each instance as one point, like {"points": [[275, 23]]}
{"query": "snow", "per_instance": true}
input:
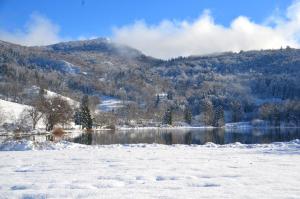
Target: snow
{"points": [[34, 90], [69, 100], [68, 170], [259, 101], [240, 125], [70, 68], [166, 127], [109, 103], [11, 110]]}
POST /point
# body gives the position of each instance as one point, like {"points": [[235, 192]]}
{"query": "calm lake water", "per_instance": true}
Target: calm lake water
{"points": [[195, 136], [168, 137]]}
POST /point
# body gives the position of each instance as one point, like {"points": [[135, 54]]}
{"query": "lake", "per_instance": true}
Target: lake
{"points": [[192, 136], [174, 136]]}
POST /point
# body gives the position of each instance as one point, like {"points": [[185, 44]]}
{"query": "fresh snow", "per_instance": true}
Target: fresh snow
{"points": [[11, 110], [240, 125], [68, 170], [109, 103], [69, 100], [166, 127], [70, 68]]}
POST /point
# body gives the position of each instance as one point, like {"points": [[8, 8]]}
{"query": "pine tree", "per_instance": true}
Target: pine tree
{"points": [[157, 101], [207, 112], [168, 117], [77, 117], [219, 118], [187, 115], [170, 95], [85, 115]]}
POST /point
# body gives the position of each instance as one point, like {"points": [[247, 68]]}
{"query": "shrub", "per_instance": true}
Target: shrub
{"points": [[58, 132]]}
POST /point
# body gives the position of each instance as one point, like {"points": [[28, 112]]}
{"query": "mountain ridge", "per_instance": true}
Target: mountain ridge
{"points": [[101, 67]]}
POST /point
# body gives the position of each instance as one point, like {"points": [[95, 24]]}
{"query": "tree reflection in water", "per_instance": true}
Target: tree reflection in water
{"points": [[194, 136]]}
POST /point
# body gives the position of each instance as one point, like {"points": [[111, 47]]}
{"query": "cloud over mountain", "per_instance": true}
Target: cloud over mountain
{"points": [[203, 35], [39, 30]]}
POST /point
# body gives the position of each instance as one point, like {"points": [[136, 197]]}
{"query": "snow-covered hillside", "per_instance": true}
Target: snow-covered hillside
{"points": [[109, 103], [11, 111], [150, 171], [69, 100], [34, 90], [69, 67]]}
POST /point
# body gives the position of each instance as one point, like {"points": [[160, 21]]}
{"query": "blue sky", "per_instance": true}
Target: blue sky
{"points": [[98, 17], [160, 28]]}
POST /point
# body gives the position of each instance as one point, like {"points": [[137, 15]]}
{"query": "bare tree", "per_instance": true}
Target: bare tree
{"points": [[237, 111], [270, 112], [105, 119], [22, 123], [94, 101], [56, 111], [34, 114]]}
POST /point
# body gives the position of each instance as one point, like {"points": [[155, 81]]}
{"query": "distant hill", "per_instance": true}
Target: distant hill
{"points": [[102, 67]]}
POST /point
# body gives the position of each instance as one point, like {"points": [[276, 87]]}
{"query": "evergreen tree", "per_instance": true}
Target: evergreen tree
{"points": [[77, 117], [219, 118], [157, 101], [168, 117], [187, 115], [85, 115], [170, 95], [207, 112]]}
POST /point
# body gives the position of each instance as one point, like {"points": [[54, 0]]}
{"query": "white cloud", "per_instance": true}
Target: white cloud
{"points": [[202, 36], [38, 31]]}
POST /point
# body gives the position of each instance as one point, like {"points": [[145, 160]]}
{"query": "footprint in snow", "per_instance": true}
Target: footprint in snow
{"points": [[211, 185], [18, 187]]}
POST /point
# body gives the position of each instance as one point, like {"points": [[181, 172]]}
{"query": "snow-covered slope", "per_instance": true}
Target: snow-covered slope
{"points": [[151, 171], [11, 111], [109, 103], [34, 90], [53, 94], [70, 68]]}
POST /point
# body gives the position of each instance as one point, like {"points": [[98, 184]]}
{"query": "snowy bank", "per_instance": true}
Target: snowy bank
{"points": [[26, 145]]}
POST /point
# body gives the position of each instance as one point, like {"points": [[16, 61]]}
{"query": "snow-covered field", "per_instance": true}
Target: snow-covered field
{"points": [[66, 170]]}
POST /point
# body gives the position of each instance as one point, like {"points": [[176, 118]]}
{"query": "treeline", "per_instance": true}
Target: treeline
{"points": [[287, 112], [208, 90]]}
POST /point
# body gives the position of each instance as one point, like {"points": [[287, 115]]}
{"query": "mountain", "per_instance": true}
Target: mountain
{"points": [[102, 67]]}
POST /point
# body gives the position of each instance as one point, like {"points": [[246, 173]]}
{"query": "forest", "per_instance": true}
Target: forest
{"points": [[261, 87]]}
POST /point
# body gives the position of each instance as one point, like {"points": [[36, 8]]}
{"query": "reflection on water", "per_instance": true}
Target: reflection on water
{"points": [[168, 137], [38, 137], [195, 136]]}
